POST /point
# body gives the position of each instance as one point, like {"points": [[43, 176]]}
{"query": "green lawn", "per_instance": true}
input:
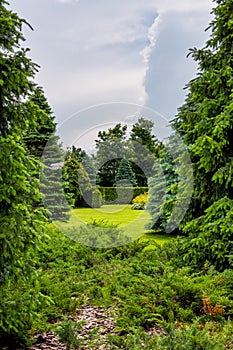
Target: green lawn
{"points": [[132, 222]]}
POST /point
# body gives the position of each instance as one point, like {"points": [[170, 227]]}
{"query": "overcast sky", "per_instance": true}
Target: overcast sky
{"points": [[95, 52]]}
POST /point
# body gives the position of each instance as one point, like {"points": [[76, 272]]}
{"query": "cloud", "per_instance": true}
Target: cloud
{"points": [[152, 37], [66, 1], [182, 6], [99, 51]]}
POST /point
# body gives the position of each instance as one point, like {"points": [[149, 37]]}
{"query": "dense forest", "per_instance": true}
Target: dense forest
{"points": [[96, 285]]}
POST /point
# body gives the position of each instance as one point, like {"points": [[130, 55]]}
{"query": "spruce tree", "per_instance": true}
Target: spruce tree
{"points": [[111, 147], [21, 222], [54, 181], [206, 123], [145, 147], [125, 174], [37, 135], [78, 182], [162, 191]]}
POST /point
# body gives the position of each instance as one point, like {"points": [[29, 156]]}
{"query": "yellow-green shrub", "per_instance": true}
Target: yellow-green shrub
{"points": [[140, 201]]}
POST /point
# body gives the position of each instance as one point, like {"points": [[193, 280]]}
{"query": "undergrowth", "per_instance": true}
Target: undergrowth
{"points": [[148, 288]]}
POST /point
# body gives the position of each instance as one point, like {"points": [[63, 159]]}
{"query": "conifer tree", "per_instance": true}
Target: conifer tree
{"points": [[162, 191], [78, 182], [38, 134], [206, 123], [21, 223], [125, 174], [111, 147], [145, 147], [54, 181]]}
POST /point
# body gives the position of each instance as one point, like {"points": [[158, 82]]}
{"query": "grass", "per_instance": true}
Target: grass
{"points": [[131, 222]]}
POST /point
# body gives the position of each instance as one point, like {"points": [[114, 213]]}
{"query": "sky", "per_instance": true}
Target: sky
{"points": [[103, 61]]}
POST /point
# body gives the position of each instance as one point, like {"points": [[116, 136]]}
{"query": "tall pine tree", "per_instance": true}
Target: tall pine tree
{"points": [[125, 174], [37, 135], [206, 123], [21, 223]]}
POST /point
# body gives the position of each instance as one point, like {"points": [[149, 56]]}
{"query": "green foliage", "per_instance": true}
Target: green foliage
{"points": [[78, 182], [139, 202], [111, 147], [145, 146], [211, 236], [125, 175], [148, 288], [96, 199], [121, 195], [38, 135], [69, 332], [183, 337], [21, 221], [52, 178], [206, 123], [100, 234]]}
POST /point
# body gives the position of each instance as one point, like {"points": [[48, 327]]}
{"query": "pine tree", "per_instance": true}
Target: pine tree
{"points": [[145, 147], [162, 191], [111, 147], [53, 180], [206, 123], [38, 135], [21, 223], [90, 167], [78, 182], [125, 174]]}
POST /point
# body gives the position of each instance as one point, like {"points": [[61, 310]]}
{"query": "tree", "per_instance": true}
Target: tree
{"points": [[75, 153], [206, 123], [90, 167], [38, 134], [162, 191], [87, 162], [78, 182], [53, 181], [21, 223], [145, 147], [125, 174], [111, 148]]}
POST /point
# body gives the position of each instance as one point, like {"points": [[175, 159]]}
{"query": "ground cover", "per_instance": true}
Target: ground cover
{"points": [[156, 301], [131, 222]]}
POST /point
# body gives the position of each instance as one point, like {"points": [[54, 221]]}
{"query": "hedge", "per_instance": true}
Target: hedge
{"points": [[121, 195]]}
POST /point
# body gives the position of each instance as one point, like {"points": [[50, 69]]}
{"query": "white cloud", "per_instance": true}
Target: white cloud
{"points": [[98, 51], [183, 5], [67, 1]]}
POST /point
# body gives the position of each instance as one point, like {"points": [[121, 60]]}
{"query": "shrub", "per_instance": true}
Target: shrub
{"points": [[96, 199], [140, 201], [121, 195], [137, 206]]}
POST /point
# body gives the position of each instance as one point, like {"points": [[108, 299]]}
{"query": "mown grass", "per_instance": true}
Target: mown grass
{"points": [[131, 222]]}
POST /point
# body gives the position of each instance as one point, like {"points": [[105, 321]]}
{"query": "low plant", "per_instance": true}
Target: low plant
{"points": [[68, 332], [139, 202]]}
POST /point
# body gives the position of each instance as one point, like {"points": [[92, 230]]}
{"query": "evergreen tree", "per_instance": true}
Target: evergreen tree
{"points": [[38, 135], [162, 191], [145, 147], [75, 153], [206, 123], [78, 182], [111, 148], [21, 222], [125, 174], [90, 167], [87, 162], [53, 181]]}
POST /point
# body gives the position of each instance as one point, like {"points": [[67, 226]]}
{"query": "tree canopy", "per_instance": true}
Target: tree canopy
{"points": [[206, 123]]}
